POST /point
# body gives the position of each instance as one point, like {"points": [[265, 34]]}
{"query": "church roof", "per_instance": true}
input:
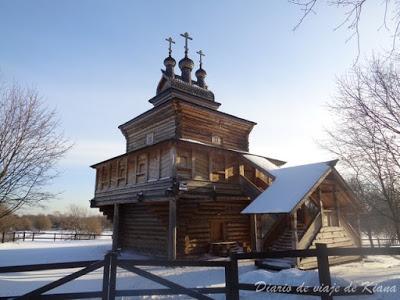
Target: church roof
{"points": [[178, 83], [290, 186], [262, 162]]}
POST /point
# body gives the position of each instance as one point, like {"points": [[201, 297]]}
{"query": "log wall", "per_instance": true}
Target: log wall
{"points": [[143, 228], [180, 119], [159, 123], [152, 171], [212, 127], [149, 164], [196, 216]]}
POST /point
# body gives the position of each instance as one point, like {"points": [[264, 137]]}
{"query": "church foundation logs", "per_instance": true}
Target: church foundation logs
{"points": [[144, 227]]}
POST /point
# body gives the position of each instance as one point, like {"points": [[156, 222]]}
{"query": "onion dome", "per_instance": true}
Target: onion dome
{"points": [[169, 64], [186, 65], [201, 73]]}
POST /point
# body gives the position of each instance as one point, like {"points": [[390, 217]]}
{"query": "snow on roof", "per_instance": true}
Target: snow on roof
{"points": [[290, 186], [262, 162]]}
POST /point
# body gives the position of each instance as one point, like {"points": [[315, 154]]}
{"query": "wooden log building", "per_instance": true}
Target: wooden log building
{"points": [[187, 181]]}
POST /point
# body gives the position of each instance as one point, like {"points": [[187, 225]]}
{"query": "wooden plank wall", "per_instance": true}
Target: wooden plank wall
{"points": [[142, 166], [180, 119], [207, 164], [199, 124], [161, 123]]}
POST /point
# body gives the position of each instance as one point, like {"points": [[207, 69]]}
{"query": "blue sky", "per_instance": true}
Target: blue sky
{"points": [[98, 62]]}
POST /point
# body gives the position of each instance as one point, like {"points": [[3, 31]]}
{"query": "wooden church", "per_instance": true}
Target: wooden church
{"points": [[187, 184]]}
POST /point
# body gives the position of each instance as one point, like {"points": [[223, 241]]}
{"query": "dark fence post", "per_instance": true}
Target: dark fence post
{"points": [[232, 279], [13, 237], [33, 236], [113, 274], [3, 238], [323, 269], [106, 276], [55, 236], [23, 237]]}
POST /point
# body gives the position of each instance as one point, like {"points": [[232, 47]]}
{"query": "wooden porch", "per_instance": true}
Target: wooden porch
{"points": [[327, 215]]}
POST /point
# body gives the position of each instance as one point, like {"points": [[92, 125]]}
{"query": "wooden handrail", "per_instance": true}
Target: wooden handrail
{"points": [[276, 230], [311, 232], [349, 229], [249, 187]]}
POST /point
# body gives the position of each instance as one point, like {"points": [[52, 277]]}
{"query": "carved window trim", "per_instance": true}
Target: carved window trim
{"points": [[150, 138], [216, 140]]}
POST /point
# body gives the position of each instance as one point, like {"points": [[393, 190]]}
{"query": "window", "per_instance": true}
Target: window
{"points": [[215, 139], [141, 170], [184, 163], [150, 138], [121, 171], [217, 168], [104, 180]]}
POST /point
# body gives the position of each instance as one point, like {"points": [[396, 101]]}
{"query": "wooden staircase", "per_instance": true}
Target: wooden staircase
{"points": [[285, 241], [333, 236]]}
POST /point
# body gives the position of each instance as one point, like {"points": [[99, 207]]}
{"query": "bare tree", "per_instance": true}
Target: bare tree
{"points": [[93, 225], [373, 223], [75, 218], [30, 147], [42, 222], [366, 135], [353, 11]]}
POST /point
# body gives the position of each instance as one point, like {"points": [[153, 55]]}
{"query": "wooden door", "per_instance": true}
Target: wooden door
{"points": [[217, 231]]}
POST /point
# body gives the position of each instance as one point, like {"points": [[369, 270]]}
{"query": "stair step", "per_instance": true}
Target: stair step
{"points": [[275, 264]]}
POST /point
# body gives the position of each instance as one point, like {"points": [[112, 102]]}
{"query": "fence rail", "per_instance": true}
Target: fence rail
{"points": [[51, 236], [232, 287], [380, 242]]}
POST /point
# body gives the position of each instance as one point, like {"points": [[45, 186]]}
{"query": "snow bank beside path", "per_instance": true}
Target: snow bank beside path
{"points": [[41, 252], [383, 272]]}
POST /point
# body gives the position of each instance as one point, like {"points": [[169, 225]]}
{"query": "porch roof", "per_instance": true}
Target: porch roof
{"points": [[291, 185]]}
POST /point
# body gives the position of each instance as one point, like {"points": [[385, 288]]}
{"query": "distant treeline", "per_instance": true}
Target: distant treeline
{"points": [[75, 219]]}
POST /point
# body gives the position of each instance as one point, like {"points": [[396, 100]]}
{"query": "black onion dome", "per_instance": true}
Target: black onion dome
{"points": [[186, 63], [169, 61], [201, 73]]}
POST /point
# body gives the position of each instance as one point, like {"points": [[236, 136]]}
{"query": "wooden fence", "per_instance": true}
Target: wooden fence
{"points": [[51, 236], [380, 242], [232, 287]]}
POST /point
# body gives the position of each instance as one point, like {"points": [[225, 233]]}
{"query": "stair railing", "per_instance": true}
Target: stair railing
{"points": [[310, 232], [249, 187], [276, 230], [350, 229]]}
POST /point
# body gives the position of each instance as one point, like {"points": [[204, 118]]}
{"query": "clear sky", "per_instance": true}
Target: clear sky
{"points": [[98, 62]]}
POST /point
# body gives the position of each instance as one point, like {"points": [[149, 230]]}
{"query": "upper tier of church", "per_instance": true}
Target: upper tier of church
{"points": [[186, 109], [195, 91]]}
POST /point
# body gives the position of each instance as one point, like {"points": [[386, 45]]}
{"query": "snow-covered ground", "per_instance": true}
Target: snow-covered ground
{"points": [[384, 270]]}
